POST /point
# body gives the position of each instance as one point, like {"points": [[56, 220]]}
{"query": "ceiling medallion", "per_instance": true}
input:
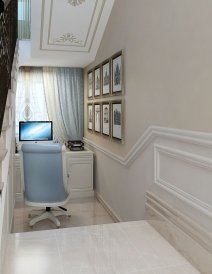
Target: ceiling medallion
{"points": [[68, 38], [75, 2]]}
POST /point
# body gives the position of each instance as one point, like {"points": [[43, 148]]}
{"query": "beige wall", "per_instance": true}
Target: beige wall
{"points": [[167, 65]]}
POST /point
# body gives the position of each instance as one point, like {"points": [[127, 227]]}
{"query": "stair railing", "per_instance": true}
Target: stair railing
{"points": [[8, 37]]}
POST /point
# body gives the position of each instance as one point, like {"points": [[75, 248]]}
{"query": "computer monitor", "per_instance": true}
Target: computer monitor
{"points": [[35, 131]]}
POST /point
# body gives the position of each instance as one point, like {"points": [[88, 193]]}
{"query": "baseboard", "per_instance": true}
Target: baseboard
{"points": [[81, 194], [74, 194], [186, 235], [109, 210]]}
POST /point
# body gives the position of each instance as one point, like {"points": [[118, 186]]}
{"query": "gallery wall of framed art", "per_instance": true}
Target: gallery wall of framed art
{"points": [[105, 91]]}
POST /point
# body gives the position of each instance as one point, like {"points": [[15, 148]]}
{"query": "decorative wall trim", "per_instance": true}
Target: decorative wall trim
{"points": [[105, 151], [189, 159], [189, 226], [186, 235], [109, 210], [186, 136]]}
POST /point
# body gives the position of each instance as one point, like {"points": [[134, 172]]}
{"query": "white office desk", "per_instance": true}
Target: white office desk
{"points": [[79, 165]]}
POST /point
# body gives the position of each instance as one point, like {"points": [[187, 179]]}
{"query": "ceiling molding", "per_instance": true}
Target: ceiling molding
{"points": [[63, 34], [49, 26]]}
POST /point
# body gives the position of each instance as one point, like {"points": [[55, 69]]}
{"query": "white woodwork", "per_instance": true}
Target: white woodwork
{"points": [[185, 234], [80, 170], [17, 177], [191, 137], [185, 175]]}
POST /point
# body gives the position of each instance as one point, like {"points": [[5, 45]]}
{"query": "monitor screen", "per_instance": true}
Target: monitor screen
{"points": [[35, 131]]}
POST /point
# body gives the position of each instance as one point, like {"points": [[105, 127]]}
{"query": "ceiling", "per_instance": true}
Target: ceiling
{"points": [[65, 32]]}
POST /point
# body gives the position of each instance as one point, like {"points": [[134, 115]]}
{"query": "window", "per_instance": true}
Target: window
{"points": [[24, 19], [30, 97]]}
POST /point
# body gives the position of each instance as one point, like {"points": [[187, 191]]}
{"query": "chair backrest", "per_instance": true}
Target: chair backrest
{"points": [[43, 173]]}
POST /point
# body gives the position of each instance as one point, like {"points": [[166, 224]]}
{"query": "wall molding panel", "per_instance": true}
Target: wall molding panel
{"points": [[175, 169], [186, 136]]}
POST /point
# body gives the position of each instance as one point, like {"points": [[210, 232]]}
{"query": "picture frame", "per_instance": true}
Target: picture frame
{"points": [[106, 118], [97, 117], [97, 82], [117, 73], [90, 117], [117, 120], [106, 77], [90, 84]]}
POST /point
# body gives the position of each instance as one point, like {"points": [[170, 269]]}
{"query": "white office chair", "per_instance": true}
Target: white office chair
{"points": [[43, 175]]}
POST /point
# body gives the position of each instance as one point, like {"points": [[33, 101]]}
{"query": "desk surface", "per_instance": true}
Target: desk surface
{"points": [[69, 152]]}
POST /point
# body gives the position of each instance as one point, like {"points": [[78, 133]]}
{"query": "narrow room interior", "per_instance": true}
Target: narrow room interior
{"points": [[105, 137]]}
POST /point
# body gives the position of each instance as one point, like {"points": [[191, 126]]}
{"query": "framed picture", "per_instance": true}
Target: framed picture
{"points": [[106, 118], [106, 78], [97, 118], [90, 84], [90, 116], [117, 120], [117, 73], [97, 82]]}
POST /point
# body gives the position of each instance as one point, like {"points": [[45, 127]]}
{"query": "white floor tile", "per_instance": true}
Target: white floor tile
{"points": [[84, 211], [38, 263]]}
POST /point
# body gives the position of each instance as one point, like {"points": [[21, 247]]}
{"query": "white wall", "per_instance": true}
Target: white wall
{"points": [[167, 65], [166, 177], [174, 164], [167, 70]]}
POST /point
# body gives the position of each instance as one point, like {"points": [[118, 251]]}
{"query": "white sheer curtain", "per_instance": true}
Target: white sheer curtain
{"points": [[30, 99], [52, 100], [54, 94]]}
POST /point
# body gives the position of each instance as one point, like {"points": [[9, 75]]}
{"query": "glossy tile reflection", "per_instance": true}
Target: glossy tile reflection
{"points": [[120, 248], [84, 211]]}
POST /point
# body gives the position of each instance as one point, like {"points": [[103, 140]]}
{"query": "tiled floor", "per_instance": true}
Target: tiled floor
{"points": [[84, 211], [120, 248]]}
